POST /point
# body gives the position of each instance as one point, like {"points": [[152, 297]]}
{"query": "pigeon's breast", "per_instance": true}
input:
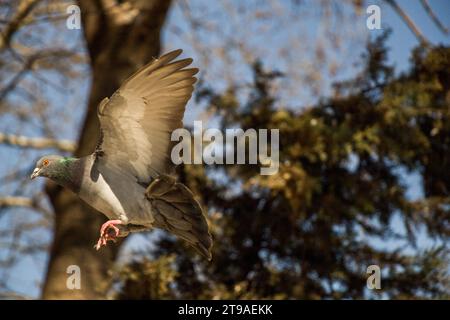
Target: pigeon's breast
{"points": [[100, 196], [124, 199]]}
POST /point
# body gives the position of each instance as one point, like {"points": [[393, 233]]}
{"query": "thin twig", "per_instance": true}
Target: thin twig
{"points": [[37, 143], [433, 16], [26, 202], [11, 201], [409, 22], [13, 295], [24, 9]]}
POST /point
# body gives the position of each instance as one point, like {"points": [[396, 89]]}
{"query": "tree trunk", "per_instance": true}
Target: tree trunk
{"points": [[120, 38]]}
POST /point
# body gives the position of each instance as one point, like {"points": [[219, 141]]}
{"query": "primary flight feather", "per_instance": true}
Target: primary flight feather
{"points": [[127, 177]]}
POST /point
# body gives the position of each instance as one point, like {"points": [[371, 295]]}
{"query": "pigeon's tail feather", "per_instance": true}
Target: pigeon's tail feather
{"points": [[176, 211]]}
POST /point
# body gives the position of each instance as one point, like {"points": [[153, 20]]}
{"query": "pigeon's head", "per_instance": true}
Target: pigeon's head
{"points": [[47, 166]]}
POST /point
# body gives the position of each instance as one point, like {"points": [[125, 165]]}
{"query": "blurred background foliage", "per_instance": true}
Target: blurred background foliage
{"points": [[357, 134], [307, 232]]}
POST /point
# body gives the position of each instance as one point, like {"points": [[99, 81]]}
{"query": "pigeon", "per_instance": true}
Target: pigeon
{"points": [[129, 177]]}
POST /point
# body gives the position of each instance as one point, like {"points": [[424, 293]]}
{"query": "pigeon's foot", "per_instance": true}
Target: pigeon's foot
{"points": [[105, 235]]}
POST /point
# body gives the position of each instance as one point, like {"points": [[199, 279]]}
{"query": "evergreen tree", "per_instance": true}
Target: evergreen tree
{"points": [[311, 230]]}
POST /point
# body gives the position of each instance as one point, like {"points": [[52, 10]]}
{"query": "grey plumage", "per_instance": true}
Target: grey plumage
{"points": [[128, 176], [181, 215]]}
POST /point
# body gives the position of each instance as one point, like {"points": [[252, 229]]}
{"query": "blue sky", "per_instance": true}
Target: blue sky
{"points": [[29, 271]]}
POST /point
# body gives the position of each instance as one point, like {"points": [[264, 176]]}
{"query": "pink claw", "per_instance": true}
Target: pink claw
{"points": [[105, 236]]}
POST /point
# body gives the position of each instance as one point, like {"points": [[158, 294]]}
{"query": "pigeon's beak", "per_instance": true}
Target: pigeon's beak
{"points": [[35, 173]]}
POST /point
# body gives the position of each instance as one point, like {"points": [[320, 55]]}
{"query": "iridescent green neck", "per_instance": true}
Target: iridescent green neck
{"points": [[66, 173], [66, 161]]}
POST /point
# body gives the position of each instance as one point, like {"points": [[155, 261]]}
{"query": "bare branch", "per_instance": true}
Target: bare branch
{"points": [[409, 22], [433, 16], [11, 201], [31, 62], [24, 9], [37, 143], [26, 202], [14, 82], [13, 295]]}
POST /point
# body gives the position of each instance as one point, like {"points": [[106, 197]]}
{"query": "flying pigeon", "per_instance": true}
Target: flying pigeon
{"points": [[128, 177]]}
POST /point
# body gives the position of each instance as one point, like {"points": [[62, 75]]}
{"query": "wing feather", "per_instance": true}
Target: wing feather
{"points": [[139, 118]]}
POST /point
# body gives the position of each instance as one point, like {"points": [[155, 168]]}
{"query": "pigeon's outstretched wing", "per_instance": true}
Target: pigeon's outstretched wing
{"points": [[138, 119]]}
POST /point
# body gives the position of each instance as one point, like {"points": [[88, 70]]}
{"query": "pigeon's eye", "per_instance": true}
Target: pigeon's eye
{"points": [[45, 162]]}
